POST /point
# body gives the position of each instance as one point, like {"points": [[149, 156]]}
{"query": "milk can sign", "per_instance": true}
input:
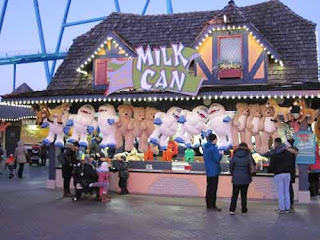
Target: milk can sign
{"points": [[306, 144], [161, 69]]}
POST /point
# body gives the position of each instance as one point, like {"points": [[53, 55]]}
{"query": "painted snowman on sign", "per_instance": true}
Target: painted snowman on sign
{"points": [[166, 126], [83, 123], [107, 120], [192, 123], [220, 123]]}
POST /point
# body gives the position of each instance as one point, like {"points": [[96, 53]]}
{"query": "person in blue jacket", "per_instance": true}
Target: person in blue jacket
{"points": [[212, 159]]}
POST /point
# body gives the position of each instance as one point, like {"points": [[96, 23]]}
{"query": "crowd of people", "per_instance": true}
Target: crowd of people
{"points": [[242, 167], [90, 173]]}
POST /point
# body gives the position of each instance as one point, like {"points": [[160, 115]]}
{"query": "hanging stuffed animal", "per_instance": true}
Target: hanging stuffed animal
{"points": [[220, 123], [279, 111], [107, 121], [239, 123], [252, 126], [166, 126], [192, 124], [147, 128], [135, 127], [57, 125], [268, 127], [125, 115], [83, 123], [305, 112]]}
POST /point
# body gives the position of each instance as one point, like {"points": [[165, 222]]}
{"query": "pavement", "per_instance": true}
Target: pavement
{"points": [[30, 211]]}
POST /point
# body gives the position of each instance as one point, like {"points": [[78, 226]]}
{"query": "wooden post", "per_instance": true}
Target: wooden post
{"points": [[51, 183], [304, 194]]}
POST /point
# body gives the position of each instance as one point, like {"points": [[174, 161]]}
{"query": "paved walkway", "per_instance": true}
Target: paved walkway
{"points": [[29, 211]]}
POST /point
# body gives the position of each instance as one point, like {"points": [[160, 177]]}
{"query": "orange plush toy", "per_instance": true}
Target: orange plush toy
{"points": [[147, 128], [172, 150], [125, 115], [135, 127]]}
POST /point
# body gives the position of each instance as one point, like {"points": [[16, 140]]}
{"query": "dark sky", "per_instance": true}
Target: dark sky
{"points": [[19, 33]]}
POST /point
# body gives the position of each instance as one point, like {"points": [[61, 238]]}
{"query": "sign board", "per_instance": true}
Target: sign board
{"points": [[161, 69], [306, 144]]}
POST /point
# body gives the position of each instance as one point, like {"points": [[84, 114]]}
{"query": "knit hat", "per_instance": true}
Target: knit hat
{"points": [[104, 167]]}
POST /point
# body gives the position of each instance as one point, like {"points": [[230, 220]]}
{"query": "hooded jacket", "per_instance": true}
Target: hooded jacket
{"points": [[212, 159], [20, 153], [240, 167]]}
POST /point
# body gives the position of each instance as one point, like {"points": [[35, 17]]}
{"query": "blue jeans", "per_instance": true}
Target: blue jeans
{"points": [[282, 182]]}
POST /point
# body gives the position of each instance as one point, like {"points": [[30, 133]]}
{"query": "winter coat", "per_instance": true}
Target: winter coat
{"points": [[294, 152], [123, 169], [20, 153], [240, 167], [316, 166], [282, 162], [212, 159]]}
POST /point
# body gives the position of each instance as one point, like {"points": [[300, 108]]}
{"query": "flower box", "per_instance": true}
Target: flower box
{"points": [[230, 73]]}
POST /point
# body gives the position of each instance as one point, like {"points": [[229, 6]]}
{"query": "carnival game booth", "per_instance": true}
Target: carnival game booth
{"points": [[153, 86]]}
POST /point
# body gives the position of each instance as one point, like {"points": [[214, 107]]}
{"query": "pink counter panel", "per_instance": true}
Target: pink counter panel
{"points": [[186, 185]]}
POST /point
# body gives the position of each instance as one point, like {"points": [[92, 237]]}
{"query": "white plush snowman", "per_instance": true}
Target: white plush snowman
{"points": [[192, 124], [107, 120], [83, 123], [56, 129], [166, 126], [220, 123]]}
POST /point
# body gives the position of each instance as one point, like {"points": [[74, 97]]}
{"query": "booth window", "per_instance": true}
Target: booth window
{"points": [[101, 72], [230, 57]]}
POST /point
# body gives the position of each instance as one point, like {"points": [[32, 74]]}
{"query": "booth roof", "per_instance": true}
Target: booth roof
{"points": [[12, 113], [291, 35], [90, 95]]}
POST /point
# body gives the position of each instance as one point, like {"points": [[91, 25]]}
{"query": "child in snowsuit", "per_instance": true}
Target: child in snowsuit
{"points": [[11, 165], [103, 182], [123, 176]]}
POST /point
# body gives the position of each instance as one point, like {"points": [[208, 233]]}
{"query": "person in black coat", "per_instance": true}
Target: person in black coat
{"points": [[123, 176], [241, 177], [67, 159]]}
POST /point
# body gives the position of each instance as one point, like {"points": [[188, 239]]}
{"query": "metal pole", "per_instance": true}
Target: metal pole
{"points": [[145, 7], [42, 43], [3, 12], [117, 5], [64, 19], [84, 21], [169, 7], [14, 76]]}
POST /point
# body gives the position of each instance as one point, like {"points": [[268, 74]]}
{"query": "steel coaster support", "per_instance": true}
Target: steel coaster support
{"points": [[14, 76], [117, 5], [169, 7], [64, 20], [42, 43], [84, 21], [145, 7], [3, 12]]}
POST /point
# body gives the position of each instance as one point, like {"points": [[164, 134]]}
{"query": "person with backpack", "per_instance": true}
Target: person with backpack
{"points": [[240, 169]]}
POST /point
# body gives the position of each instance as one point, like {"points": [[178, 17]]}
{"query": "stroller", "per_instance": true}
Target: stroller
{"points": [[83, 175], [35, 155]]}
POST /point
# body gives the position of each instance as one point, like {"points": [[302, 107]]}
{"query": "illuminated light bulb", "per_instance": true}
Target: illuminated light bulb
{"points": [[233, 97], [281, 63], [139, 99], [176, 98], [218, 28], [300, 96], [198, 98], [181, 98], [206, 35], [144, 99], [187, 98], [160, 99], [223, 28], [234, 27], [221, 96], [257, 96], [210, 31], [149, 99], [312, 96], [92, 56], [204, 97], [251, 97], [250, 33], [227, 97], [306, 96], [171, 99], [210, 97], [213, 29]]}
